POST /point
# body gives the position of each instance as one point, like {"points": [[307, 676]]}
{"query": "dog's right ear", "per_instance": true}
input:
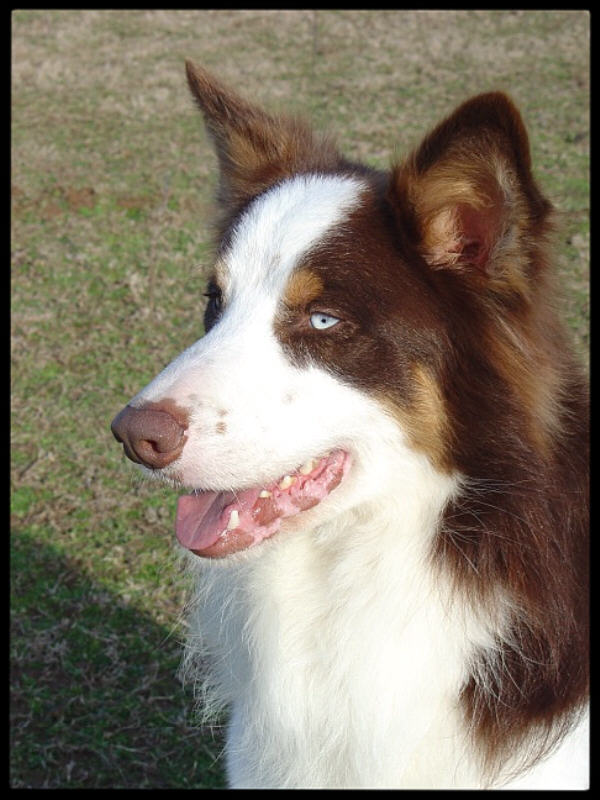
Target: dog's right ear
{"points": [[255, 149]]}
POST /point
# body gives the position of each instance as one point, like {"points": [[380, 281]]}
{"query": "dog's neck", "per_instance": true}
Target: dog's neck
{"points": [[290, 622]]}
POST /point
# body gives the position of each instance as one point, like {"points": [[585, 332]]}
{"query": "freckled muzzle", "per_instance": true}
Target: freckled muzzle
{"points": [[215, 524]]}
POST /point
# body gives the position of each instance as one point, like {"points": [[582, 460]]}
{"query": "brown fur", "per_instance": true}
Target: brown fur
{"points": [[303, 287], [442, 284], [425, 419], [519, 403], [254, 148]]}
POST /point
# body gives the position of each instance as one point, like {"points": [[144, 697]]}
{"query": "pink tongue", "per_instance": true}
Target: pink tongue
{"points": [[203, 519], [200, 520]]}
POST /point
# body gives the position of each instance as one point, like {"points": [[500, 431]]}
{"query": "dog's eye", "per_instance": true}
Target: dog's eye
{"points": [[215, 297], [321, 321], [214, 305]]}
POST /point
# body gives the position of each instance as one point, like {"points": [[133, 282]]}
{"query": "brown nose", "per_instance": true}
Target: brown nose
{"points": [[150, 436]]}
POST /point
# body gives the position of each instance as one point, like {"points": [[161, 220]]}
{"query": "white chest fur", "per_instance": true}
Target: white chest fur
{"points": [[342, 667]]}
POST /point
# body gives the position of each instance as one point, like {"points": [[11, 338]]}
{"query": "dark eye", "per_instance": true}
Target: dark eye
{"points": [[214, 305], [215, 297]]}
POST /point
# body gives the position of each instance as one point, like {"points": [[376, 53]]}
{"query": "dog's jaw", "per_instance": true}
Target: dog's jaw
{"points": [[217, 524]]}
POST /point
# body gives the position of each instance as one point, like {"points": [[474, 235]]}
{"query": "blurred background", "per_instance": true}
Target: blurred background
{"points": [[112, 183]]}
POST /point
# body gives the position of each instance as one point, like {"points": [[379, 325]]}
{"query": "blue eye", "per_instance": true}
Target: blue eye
{"points": [[321, 321]]}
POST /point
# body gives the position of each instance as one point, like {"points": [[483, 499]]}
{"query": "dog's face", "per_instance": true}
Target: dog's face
{"points": [[253, 414], [325, 376], [271, 390]]}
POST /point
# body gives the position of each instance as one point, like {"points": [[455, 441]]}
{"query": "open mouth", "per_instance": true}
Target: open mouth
{"points": [[215, 524]]}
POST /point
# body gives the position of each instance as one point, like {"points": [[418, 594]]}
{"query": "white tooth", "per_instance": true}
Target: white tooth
{"points": [[234, 520], [265, 493], [307, 467], [286, 482]]}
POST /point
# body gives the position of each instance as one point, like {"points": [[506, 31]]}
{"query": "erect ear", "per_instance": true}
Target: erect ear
{"points": [[254, 148], [467, 199]]}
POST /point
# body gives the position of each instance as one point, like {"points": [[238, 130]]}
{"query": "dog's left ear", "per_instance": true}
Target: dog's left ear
{"points": [[467, 200], [254, 148]]}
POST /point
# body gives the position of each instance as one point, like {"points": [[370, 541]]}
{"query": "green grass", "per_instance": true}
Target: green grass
{"points": [[93, 687], [112, 180]]}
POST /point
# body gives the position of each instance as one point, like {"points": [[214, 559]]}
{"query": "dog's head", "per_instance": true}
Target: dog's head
{"points": [[330, 372]]}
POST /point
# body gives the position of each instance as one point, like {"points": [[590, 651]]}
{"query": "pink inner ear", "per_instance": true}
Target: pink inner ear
{"points": [[479, 229]]}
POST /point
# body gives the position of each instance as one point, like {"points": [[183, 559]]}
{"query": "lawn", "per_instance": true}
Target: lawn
{"points": [[112, 184]]}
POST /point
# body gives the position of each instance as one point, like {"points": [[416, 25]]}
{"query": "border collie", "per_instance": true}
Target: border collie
{"points": [[384, 432]]}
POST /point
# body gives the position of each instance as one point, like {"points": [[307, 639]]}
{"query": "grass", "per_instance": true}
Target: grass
{"points": [[92, 676], [112, 180]]}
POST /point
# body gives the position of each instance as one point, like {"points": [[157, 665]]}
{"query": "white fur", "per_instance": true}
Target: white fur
{"points": [[337, 647], [239, 367], [321, 650]]}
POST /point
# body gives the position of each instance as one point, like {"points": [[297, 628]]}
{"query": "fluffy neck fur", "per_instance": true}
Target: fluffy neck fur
{"points": [[330, 684], [323, 676]]}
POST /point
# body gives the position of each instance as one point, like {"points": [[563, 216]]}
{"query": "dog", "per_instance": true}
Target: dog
{"points": [[384, 436]]}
